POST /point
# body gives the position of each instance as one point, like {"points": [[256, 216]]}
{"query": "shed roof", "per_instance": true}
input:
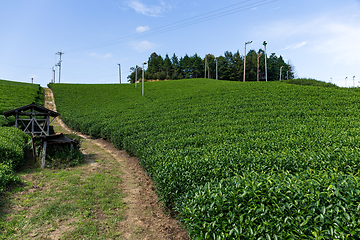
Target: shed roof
{"points": [[40, 111]]}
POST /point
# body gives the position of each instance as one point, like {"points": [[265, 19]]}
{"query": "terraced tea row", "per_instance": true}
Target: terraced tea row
{"points": [[235, 160], [12, 141]]}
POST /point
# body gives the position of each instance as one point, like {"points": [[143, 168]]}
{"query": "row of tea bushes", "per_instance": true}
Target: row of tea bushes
{"points": [[196, 136], [12, 140], [12, 144]]}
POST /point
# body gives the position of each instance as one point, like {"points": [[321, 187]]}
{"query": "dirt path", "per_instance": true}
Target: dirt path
{"points": [[144, 216]]}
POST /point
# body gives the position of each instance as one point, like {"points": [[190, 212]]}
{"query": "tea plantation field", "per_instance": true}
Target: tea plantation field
{"points": [[12, 141], [254, 160]]}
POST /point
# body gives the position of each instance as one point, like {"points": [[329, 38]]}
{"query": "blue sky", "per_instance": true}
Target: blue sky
{"points": [[320, 38]]}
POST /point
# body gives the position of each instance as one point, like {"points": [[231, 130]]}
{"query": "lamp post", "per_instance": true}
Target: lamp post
{"points": [[345, 82], [136, 67], [245, 59], [354, 81], [143, 78], [264, 43], [119, 72], [280, 71]]}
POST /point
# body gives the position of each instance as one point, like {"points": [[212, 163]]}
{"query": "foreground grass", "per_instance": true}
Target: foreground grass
{"points": [[75, 203]]}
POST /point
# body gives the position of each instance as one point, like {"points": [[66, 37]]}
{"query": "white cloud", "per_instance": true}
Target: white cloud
{"points": [[141, 29], [153, 10], [335, 39], [295, 46], [341, 42], [143, 46], [105, 56]]}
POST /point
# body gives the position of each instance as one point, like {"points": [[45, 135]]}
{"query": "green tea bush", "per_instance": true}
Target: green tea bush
{"points": [[12, 144], [310, 82], [233, 159], [275, 206], [15, 94], [12, 140], [7, 176]]}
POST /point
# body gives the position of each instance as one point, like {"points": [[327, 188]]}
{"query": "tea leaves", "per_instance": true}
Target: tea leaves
{"points": [[236, 160]]}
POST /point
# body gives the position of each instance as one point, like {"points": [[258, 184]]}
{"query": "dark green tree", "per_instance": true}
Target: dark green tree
{"points": [[167, 66]]}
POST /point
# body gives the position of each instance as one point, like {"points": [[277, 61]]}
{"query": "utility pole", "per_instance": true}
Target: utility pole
{"points": [[345, 82], [136, 67], [264, 43], [143, 78], [208, 72], [119, 72], [216, 68], [258, 63], [245, 59], [53, 71], [280, 71], [59, 64]]}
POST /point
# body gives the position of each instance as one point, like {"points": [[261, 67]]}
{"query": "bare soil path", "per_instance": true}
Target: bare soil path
{"points": [[144, 215]]}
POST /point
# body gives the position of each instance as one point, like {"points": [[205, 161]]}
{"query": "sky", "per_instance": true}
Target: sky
{"points": [[319, 38]]}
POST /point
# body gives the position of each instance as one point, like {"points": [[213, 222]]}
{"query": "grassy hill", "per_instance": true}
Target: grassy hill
{"points": [[17, 94], [12, 141], [236, 160]]}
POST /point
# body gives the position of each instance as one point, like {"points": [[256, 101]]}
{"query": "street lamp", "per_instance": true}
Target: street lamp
{"points": [[345, 82], [280, 71], [264, 43], [245, 59], [354, 81], [136, 67], [119, 72], [143, 78]]}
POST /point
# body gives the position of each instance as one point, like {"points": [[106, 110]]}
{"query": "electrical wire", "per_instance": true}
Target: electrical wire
{"points": [[225, 11]]}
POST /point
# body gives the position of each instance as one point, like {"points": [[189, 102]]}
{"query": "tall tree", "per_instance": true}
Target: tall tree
{"points": [[251, 66], [175, 66], [167, 66]]}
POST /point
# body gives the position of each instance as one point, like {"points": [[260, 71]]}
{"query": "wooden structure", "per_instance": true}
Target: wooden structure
{"points": [[32, 118], [35, 120]]}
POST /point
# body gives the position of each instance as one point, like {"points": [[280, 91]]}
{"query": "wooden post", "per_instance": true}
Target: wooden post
{"points": [[32, 121], [44, 154], [47, 122], [34, 147]]}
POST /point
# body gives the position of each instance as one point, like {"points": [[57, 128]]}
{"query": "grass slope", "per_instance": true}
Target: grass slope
{"points": [[16, 94], [12, 141], [248, 160]]}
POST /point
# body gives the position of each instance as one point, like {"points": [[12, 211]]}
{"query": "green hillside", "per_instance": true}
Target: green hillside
{"points": [[254, 160], [12, 141], [17, 94]]}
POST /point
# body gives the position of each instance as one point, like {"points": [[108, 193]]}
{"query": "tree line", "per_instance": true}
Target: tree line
{"points": [[229, 67]]}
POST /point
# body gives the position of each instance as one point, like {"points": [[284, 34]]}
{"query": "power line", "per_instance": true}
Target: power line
{"points": [[225, 11]]}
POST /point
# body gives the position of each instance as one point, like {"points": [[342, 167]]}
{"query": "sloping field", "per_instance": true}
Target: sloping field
{"points": [[256, 160], [12, 141], [16, 94]]}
